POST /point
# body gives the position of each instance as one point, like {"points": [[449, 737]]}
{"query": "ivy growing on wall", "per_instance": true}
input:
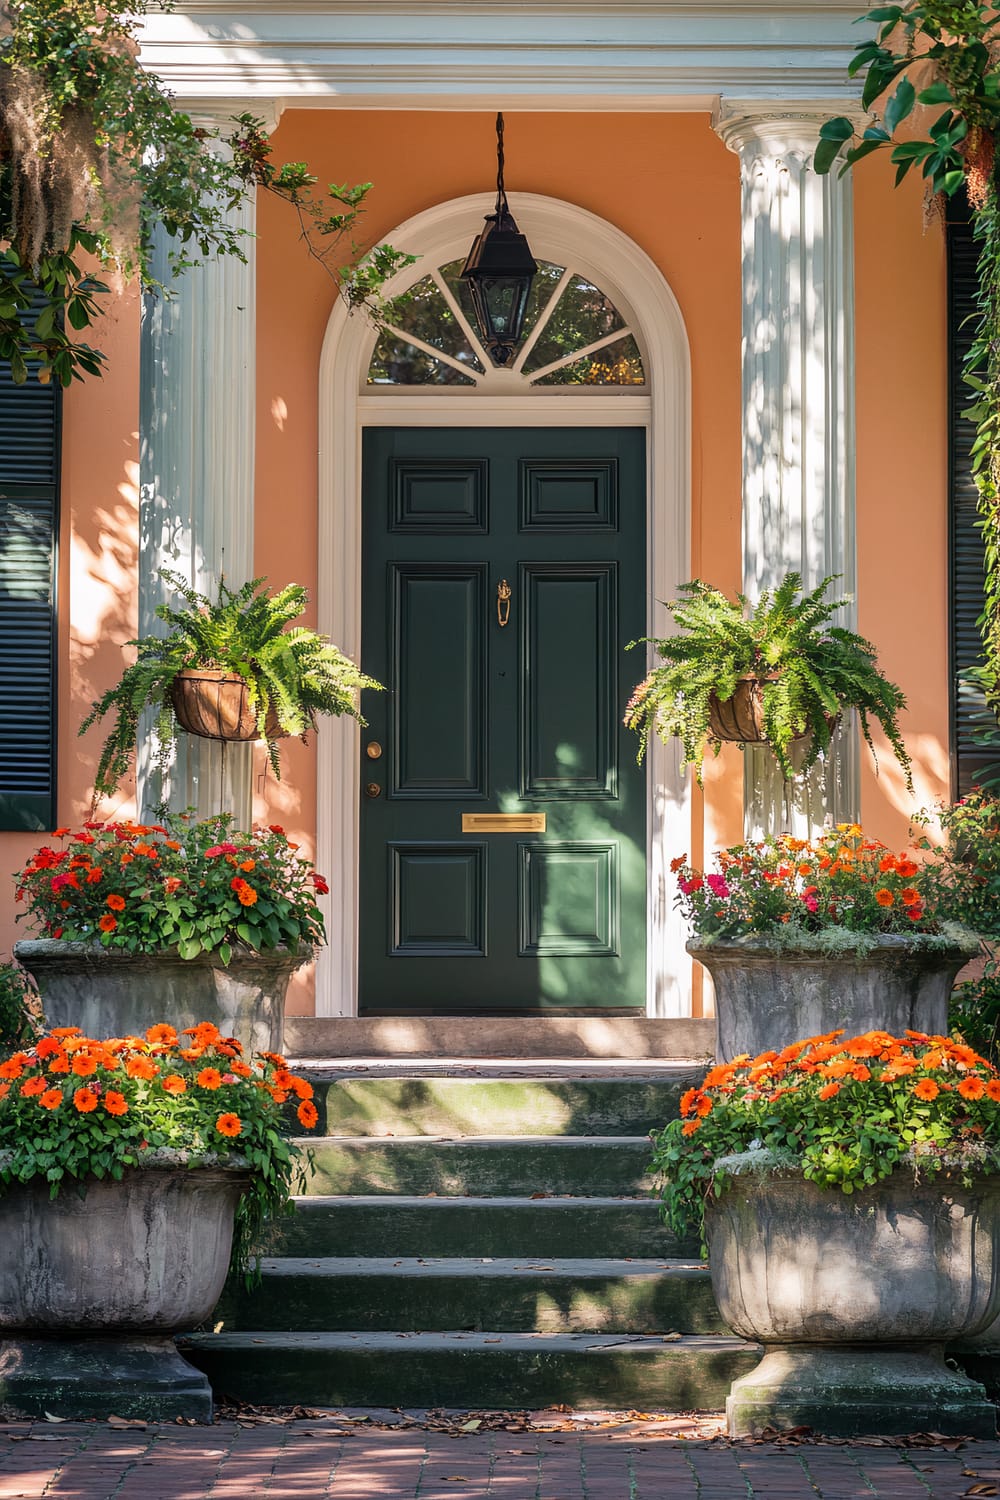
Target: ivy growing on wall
{"points": [[93, 155], [932, 86]]}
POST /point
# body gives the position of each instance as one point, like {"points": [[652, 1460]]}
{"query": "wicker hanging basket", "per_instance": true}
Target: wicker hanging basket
{"points": [[215, 705], [741, 717]]}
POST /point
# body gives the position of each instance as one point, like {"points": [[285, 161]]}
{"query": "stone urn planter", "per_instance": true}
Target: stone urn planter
{"points": [[765, 994], [854, 1298], [93, 1287], [110, 993]]}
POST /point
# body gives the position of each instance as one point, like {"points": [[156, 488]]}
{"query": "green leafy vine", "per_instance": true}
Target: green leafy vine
{"points": [[924, 56]]}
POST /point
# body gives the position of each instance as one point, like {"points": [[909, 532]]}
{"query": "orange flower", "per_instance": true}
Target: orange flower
{"points": [[4, 1090], [884, 897], [686, 1106], [32, 1086], [300, 1086], [64, 1031], [248, 865], [174, 1084], [909, 895], [141, 1067], [887, 863], [926, 1089], [247, 895], [907, 868], [829, 1091], [171, 844], [993, 1090], [59, 1064], [204, 1033], [229, 1125], [94, 875], [972, 1088], [690, 1126], [308, 1114], [172, 883], [115, 1103], [49, 1046], [209, 1078], [278, 1095], [51, 1099], [108, 923], [861, 1074], [161, 1035], [282, 1079], [13, 1067], [704, 1106], [192, 1054], [241, 1070], [85, 1100], [116, 902], [84, 1064]]}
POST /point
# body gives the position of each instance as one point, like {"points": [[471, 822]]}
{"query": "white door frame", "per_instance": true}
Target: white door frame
{"points": [[563, 233]]}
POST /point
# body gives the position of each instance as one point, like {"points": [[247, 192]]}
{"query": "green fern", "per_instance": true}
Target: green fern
{"points": [[809, 672], [292, 672]]}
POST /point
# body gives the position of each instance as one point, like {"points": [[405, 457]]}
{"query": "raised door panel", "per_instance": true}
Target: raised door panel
{"points": [[568, 680], [437, 647]]}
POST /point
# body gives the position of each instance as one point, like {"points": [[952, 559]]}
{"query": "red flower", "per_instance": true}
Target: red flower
{"points": [[108, 923]]}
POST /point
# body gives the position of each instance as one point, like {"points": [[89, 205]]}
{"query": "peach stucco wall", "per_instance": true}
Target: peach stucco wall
{"points": [[668, 182]]}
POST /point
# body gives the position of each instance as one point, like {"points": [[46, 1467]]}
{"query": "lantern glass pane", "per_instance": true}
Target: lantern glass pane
{"points": [[546, 280]]}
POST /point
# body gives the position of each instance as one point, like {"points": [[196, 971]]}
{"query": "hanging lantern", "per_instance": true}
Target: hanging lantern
{"points": [[499, 270]]}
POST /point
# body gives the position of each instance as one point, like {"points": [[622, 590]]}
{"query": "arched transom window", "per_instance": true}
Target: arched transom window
{"points": [[574, 335]]}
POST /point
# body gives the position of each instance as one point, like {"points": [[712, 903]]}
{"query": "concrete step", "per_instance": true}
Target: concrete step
{"points": [[502, 1226], [594, 1036], [486, 1166], [528, 1295], [629, 1104], [472, 1370]]}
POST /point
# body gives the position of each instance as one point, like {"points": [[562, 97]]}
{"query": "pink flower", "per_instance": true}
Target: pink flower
{"points": [[811, 904], [218, 849], [690, 886], [717, 885]]}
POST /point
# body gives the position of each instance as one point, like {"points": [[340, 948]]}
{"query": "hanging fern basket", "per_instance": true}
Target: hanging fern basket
{"points": [[215, 705], [740, 719]]}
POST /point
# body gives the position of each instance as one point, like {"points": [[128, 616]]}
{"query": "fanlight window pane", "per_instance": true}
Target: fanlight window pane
{"points": [[424, 313], [546, 280], [395, 362], [582, 315], [619, 363]]}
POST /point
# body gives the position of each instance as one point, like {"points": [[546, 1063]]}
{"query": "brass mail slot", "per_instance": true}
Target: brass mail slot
{"points": [[503, 822]]}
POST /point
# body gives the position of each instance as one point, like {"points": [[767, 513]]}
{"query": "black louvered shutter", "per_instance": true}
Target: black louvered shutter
{"points": [[970, 761], [29, 528]]}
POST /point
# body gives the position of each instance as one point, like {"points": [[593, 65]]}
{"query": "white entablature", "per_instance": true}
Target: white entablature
{"points": [[404, 54]]}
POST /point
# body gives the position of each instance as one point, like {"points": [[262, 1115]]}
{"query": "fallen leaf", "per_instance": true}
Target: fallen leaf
{"points": [[472, 1426], [539, 1195], [983, 1489], [455, 1478], [50, 1418], [669, 1338], [114, 1421]]}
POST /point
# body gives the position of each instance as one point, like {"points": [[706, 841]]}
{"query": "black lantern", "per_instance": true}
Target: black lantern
{"points": [[500, 269]]}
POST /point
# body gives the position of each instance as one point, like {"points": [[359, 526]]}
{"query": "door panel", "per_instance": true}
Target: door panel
{"points": [[504, 706]]}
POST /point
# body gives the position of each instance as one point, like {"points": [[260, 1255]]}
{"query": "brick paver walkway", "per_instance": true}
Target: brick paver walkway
{"points": [[343, 1461]]}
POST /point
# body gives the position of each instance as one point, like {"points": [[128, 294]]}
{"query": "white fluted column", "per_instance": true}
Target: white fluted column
{"points": [[196, 466], [798, 409]]}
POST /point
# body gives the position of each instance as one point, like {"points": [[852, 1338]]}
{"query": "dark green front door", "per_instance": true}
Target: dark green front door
{"points": [[504, 573]]}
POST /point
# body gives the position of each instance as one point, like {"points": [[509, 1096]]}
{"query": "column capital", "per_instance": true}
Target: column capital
{"points": [[218, 114], [776, 128]]}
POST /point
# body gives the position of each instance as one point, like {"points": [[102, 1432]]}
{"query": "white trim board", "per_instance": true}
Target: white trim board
{"points": [[564, 233], [404, 54]]}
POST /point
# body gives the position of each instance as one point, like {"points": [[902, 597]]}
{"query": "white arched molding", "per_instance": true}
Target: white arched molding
{"points": [[567, 235]]}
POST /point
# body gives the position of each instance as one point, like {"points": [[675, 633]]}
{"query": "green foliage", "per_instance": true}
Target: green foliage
{"points": [[197, 887], [934, 53], [93, 155], [974, 1008], [844, 1113], [808, 670], [20, 1007], [290, 672], [73, 1108]]}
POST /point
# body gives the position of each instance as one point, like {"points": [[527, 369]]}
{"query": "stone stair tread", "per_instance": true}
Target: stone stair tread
{"points": [[542, 1068], [471, 1142], [465, 1266], [596, 1343], [310, 1202]]}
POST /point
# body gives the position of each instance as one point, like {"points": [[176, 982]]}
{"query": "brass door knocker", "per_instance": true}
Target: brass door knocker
{"points": [[503, 602]]}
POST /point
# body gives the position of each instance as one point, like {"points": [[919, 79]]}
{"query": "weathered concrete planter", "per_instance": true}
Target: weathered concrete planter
{"points": [[92, 1287], [766, 997], [854, 1298], [108, 993]]}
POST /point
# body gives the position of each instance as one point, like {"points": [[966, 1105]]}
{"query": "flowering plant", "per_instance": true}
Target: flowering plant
{"points": [[837, 890], [74, 1107], [195, 886], [843, 1112]]}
